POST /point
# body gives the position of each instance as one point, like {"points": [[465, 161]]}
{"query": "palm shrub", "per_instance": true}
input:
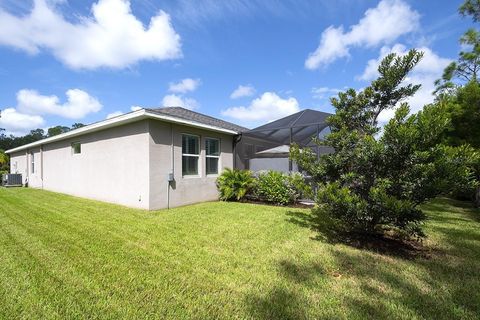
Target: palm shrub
{"points": [[373, 183], [234, 184]]}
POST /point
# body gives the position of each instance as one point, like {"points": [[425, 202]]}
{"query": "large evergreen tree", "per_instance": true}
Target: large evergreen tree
{"points": [[373, 183]]}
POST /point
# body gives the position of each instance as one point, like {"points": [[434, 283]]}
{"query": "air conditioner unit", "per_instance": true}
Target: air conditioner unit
{"points": [[12, 180]]}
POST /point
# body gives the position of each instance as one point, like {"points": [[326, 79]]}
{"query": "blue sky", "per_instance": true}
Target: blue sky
{"points": [[66, 61]]}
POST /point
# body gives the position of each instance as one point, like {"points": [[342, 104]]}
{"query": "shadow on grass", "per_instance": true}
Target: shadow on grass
{"points": [[437, 290], [287, 301], [375, 286], [279, 303], [378, 244], [300, 273]]}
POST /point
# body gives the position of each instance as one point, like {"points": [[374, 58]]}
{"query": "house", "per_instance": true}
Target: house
{"points": [[149, 159]]}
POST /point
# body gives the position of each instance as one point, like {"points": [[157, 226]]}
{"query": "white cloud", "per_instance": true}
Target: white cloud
{"points": [[425, 73], [111, 37], [114, 114], [382, 24], [135, 108], [185, 85], [79, 103], [173, 100], [243, 91], [269, 106], [17, 123], [324, 92]]}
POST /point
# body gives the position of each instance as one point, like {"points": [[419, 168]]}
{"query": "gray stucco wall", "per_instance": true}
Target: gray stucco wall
{"points": [[127, 165], [112, 167], [189, 189]]}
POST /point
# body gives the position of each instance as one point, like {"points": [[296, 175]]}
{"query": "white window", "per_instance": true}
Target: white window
{"points": [[190, 154], [32, 160], [76, 148], [212, 151]]}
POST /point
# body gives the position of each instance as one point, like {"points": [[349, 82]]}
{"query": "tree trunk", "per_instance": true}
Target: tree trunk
{"points": [[476, 201]]}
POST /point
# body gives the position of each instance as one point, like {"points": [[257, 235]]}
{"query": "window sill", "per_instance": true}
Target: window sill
{"points": [[213, 175], [191, 177]]}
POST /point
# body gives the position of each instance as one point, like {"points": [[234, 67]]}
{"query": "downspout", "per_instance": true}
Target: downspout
{"points": [[27, 175], [41, 164], [290, 164], [171, 174], [235, 141]]}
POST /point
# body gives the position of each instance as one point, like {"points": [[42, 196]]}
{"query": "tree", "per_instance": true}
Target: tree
{"points": [[77, 125], [459, 91], [471, 8], [468, 65], [374, 183], [464, 70], [54, 131], [4, 163]]}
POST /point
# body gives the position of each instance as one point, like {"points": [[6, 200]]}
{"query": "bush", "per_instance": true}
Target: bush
{"points": [[279, 188], [234, 184], [302, 189], [273, 186]]}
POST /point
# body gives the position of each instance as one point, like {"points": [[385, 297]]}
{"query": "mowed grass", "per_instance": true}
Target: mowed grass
{"points": [[67, 258]]}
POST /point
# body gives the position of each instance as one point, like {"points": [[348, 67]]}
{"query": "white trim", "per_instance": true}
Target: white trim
{"points": [[192, 155], [117, 121], [212, 156]]}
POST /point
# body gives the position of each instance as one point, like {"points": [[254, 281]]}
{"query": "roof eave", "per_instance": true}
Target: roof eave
{"points": [[117, 121]]}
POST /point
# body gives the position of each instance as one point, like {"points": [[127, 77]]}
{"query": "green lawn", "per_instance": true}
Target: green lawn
{"points": [[63, 257]]}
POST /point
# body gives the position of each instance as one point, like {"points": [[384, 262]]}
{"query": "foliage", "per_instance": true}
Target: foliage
{"points": [[77, 125], [459, 92], [303, 190], [465, 69], [465, 187], [468, 65], [274, 186], [4, 163], [471, 8], [234, 184], [54, 131], [464, 110], [371, 183]]}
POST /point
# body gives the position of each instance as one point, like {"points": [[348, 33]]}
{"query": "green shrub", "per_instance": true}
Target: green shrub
{"points": [[234, 184], [273, 186], [302, 189], [280, 188]]}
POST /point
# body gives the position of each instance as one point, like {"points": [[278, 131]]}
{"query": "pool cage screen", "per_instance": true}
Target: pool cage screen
{"points": [[267, 147]]}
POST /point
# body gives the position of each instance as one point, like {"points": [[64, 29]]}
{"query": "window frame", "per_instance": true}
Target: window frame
{"points": [[212, 156], [32, 162], [192, 155], [73, 144]]}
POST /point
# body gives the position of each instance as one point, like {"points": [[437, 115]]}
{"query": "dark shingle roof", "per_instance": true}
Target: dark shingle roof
{"points": [[189, 115]]}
